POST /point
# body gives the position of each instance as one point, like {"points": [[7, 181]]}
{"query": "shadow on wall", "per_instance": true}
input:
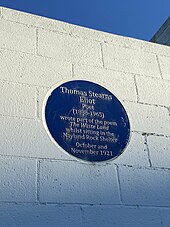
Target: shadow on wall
{"points": [[75, 194], [35, 190]]}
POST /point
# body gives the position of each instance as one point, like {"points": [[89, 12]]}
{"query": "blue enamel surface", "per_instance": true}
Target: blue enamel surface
{"points": [[87, 126]]}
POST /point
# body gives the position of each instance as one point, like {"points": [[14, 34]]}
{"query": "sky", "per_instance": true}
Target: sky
{"points": [[139, 19]]}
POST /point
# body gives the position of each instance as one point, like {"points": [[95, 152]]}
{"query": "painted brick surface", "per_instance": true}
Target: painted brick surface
{"points": [[41, 96], [35, 215], [82, 32], [72, 182], [0, 12], [136, 152], [42, 186], [128, 60], [17, 37], [67, 48], [27, 138], [34, 21], [92, 34], [146, 118], [165, 215], [142, 186], [119, 41], [122, 85], [30, 69], [165, 66], [150, 91], [17, 100], [159, 149], [18, 180], [120, 216]]}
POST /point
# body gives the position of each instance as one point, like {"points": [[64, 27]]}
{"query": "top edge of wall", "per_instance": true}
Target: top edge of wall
{"points": [[77, 31]]}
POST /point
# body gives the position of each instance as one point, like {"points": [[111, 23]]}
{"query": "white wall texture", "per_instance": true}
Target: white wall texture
{"points": [[42, 186]]}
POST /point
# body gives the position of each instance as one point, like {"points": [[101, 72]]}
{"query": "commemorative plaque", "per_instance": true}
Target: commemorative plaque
{"points": [[86, 120]]}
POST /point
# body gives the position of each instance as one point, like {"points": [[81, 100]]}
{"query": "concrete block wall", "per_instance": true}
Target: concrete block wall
{"points": [[42, 186]]}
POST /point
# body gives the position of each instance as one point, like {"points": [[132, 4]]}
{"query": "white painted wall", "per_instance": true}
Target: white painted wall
{"points": [[39, 184]]}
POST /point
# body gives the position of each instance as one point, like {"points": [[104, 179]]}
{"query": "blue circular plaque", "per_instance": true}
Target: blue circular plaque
{"points": [[86, 120]]}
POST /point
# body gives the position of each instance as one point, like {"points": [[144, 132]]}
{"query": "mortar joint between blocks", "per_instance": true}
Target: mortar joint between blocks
{"points": [[38, 182], [119, 185], [162, 225], [37, 113], [70, 33], [82, 215], [136, 88], [36, 41], [72, 70], [157, 59], [148, 152], [168, 108], [1, 13], [101, 48]]}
